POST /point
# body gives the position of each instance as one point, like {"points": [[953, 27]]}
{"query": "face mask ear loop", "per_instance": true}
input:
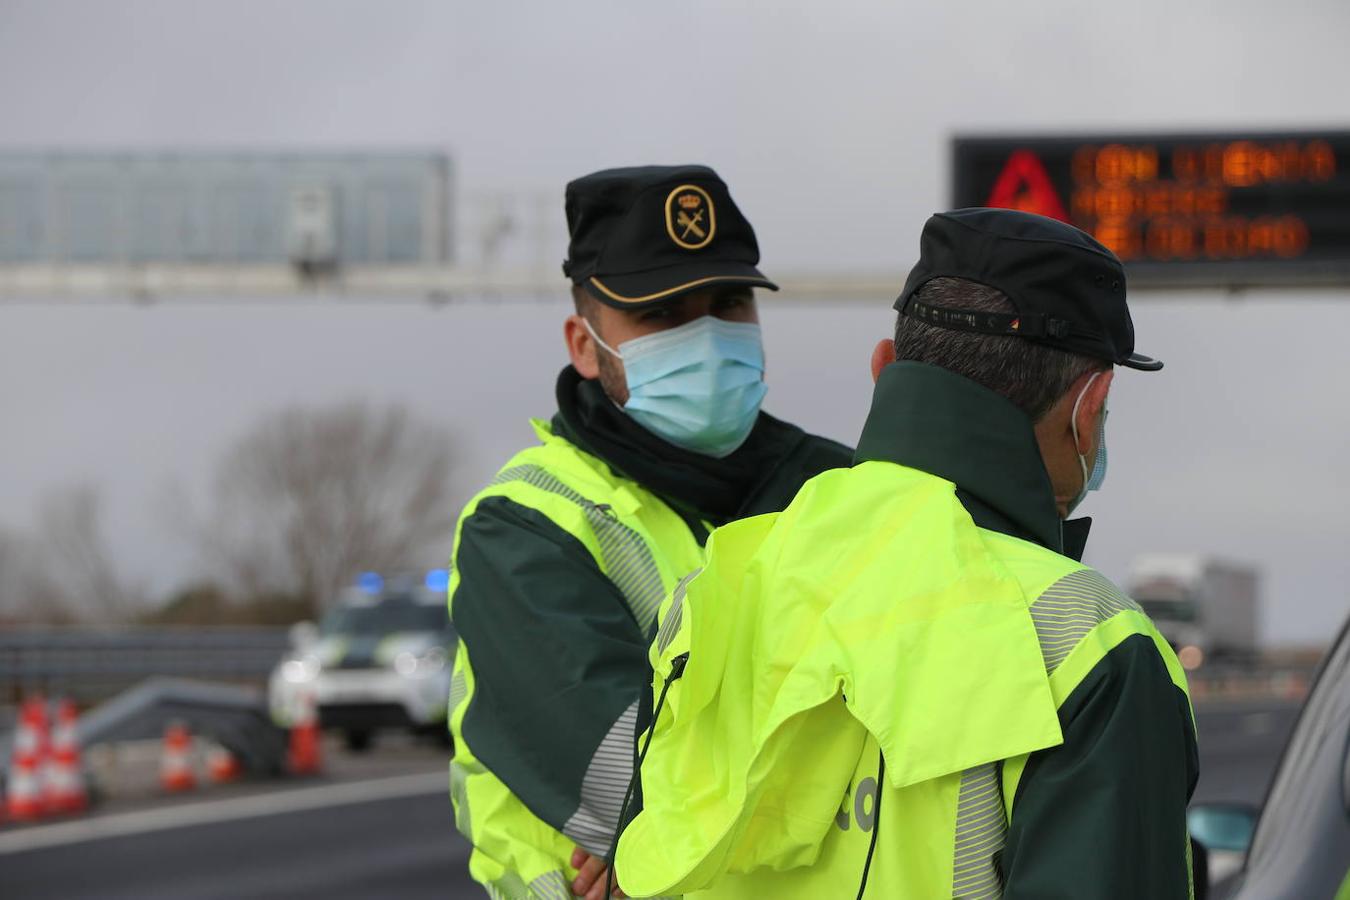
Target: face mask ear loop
{"points": [[1073, 426], [612, 352]]}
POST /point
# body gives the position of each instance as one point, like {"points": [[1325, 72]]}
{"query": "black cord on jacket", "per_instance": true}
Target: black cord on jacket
{"points": [[876, 822], [676, 670]]}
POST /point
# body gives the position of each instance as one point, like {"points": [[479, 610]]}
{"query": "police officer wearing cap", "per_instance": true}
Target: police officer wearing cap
{"points": [[561, 562], [907, 684]]}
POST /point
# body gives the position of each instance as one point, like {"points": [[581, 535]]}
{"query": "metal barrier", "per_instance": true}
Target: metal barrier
{"points": [[92, 664], [1235, 683], [235, 717]]}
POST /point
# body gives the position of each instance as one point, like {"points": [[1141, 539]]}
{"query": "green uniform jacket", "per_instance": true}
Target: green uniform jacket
{"points": [[558, 569], [922, 609]]}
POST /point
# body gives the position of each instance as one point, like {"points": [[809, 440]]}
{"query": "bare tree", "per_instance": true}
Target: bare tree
{"points": [[308, 498], [63, 569], [15, 578], [78, 563]]}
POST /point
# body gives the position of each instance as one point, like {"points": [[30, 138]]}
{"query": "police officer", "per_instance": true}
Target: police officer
{"points": [[907, 685], [561, 562]]}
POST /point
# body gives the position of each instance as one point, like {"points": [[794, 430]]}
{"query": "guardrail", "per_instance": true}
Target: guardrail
{"points": [[94, 663], [1260, 682]]}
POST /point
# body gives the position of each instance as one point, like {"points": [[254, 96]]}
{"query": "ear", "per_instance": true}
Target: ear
{"points": [[1090, 409], [883, 354], [581, 347]]}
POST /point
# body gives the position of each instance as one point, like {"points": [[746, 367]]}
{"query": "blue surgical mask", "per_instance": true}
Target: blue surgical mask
{"points": [[1092, 481], [698, 386]]}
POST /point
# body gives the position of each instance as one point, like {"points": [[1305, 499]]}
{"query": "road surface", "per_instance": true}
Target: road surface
{"points": [[377, 834]]}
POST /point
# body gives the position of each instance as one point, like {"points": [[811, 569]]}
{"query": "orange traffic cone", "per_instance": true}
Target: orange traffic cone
{"points": [[27, 800], [65, 777], [305, 756], [222, 765], [175, 767]]}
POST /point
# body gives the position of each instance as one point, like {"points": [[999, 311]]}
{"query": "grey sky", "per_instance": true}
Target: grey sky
{"points": [[830, 124]]}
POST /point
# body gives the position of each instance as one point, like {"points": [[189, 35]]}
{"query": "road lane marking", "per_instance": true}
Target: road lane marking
{"points": [[213, 811]]}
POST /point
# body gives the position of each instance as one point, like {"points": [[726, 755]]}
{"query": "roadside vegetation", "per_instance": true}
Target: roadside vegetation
{"points": [[299, 504]]}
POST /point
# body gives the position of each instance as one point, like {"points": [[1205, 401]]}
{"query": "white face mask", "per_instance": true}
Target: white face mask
{"points": [[1092, 481]]}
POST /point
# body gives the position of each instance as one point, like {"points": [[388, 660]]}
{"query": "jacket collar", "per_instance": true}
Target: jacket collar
{"points": [[927, 418], [698, 487]]}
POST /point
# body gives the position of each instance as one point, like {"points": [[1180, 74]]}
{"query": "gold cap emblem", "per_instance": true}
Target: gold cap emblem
{"points": [[690, 218]]}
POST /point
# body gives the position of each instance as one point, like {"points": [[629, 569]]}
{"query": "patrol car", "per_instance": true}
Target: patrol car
{"points": [[1298, 846], [381, 658]]}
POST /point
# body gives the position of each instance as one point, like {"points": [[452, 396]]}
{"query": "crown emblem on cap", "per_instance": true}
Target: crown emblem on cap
{"points": [[690, 218]]}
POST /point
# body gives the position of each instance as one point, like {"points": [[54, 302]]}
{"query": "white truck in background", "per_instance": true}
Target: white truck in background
{"points": [[1205, 607]]}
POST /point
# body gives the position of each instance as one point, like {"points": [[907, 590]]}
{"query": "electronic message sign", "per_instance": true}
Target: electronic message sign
{"points": [[1216, 209]]}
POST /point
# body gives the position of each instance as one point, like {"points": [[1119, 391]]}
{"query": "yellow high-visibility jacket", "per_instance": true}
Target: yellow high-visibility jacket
{"points": [[1035, 728]]}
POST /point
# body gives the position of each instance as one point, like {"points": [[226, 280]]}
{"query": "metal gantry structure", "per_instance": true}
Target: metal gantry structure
{"points": [[149, 283], [211, 226]]}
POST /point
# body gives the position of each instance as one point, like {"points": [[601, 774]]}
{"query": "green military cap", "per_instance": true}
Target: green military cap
{"points": [[644, 235]]}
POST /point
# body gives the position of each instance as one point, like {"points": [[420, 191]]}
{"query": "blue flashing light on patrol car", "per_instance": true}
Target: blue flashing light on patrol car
{"points": [[438, 580]]}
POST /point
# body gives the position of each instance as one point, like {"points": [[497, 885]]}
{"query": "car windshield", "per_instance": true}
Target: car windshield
{"points": [[386, 617]]}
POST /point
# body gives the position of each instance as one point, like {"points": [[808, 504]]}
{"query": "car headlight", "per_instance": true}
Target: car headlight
{"points": [[428, 662], [300, 669]]}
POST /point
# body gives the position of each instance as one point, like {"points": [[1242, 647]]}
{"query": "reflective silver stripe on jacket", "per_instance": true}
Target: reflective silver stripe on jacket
{"points": [[459, 689], [981, 831], [549, 886], [670, 625], [602, 788], [627, 560], [1070, 608], [1063, 616]]}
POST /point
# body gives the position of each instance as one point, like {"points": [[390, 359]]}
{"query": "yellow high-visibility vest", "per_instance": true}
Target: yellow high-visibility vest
{"points": [[870, 619]]}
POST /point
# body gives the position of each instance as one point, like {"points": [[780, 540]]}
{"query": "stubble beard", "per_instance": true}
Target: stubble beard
{"points": [[612, 378]]}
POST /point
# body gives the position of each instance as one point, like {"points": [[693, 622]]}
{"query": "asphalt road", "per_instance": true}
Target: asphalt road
{"points": [[1240, 744], [350, 840], [399, 847]]}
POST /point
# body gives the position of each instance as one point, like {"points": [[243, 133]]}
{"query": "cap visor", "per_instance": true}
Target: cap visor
{"points": [[1142, 363], [636, 290]]}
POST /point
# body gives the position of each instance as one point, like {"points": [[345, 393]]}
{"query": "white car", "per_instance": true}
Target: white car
{"points": [[1298, 846], [381, 658]]}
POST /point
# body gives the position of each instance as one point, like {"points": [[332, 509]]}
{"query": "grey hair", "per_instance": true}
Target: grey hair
{"points": [[1031, 375]]}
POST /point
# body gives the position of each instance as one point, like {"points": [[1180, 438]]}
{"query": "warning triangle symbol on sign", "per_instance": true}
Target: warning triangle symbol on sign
{"points": [[1024, 185]]}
